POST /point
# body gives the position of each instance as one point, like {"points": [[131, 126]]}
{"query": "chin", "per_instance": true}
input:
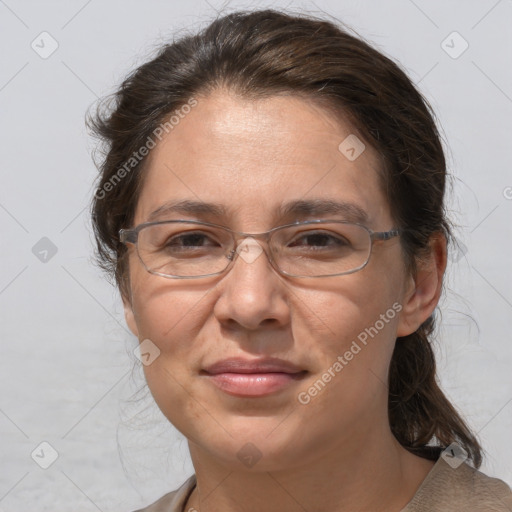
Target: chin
{"points": [[265, 443]]}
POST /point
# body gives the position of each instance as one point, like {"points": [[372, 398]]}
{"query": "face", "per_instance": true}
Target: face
{"points": [[251, 157]]}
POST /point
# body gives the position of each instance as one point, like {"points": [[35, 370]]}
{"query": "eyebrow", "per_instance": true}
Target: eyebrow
{"points": [[298, 209], [320, 207], [187, 207]]}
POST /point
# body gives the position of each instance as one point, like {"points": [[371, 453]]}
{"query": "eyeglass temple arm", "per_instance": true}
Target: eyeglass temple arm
{"points": [[385, 235], [127, 236]]}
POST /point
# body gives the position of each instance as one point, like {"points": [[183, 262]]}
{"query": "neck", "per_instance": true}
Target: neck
{"points": [[378, 474]]}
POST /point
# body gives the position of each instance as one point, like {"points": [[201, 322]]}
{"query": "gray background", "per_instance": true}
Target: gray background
{"points": [[66, 356]]}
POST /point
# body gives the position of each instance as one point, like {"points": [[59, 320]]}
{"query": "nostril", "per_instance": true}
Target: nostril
{"points": [[269, 322]]}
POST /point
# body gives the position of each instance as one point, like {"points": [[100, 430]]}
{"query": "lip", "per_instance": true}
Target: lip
{"points": [[253, 377]]}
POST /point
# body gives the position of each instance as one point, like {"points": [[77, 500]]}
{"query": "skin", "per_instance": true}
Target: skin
{"points": [[337, 452]]}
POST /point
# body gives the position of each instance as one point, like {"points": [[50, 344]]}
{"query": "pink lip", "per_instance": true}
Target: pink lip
{"points": [[252, 378]]}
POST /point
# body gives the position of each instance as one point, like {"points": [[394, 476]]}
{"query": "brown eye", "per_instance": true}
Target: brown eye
{"points": [[190, 240], [319, 239]]}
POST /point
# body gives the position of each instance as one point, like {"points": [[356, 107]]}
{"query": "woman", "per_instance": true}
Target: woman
{"points": [[271, 205]]}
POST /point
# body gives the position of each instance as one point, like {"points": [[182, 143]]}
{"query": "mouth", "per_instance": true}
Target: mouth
{"points": [[253, 378]]}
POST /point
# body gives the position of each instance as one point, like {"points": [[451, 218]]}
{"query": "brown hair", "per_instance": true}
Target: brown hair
{"points": [[269, 52]]}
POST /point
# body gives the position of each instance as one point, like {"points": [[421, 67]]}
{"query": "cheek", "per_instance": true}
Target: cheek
{"points": [[346, 306], [349, 392], [170, 315], [166, 319], [166, 311], [172, 318], [350, 332]]}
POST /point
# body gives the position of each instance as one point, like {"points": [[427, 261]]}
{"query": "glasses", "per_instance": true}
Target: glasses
{"points": [[182, 249]]}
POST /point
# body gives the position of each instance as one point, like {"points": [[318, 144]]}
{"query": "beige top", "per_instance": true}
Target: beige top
{"points": [[444, 490]]}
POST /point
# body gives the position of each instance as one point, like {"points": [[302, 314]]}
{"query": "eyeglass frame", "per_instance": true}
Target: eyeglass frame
{"points": [[131, 235]]}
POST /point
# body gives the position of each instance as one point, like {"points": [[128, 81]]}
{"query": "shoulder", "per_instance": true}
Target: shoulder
{"points": [[172, 501], [457, 488]]}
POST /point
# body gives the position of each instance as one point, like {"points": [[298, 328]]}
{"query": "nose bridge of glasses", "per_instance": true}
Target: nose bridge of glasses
{"points": [[238, 235], [248, 246], [249, 239]]}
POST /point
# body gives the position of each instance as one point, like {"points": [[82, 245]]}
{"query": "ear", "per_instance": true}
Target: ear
{"points": [[423, 289], [129, 315]]}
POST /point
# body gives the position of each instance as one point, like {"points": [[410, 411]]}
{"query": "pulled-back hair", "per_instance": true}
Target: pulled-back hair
{"points": [[264, 53]]}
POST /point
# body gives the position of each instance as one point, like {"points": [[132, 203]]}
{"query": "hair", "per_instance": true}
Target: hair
{"points": [[268, 52]]}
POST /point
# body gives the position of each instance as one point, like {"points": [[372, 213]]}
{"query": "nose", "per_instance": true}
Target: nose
{"points": [[252, 295]]}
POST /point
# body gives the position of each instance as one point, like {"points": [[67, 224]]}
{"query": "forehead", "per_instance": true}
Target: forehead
{"points": [[253, 157]]}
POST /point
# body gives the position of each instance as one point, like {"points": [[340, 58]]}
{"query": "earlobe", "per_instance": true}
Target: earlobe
{"points": [[424, 288], [130, 317], [409, 319]]}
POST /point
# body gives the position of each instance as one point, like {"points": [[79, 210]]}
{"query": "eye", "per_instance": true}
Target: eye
{"points": [[320, 239], [190, 240]]}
